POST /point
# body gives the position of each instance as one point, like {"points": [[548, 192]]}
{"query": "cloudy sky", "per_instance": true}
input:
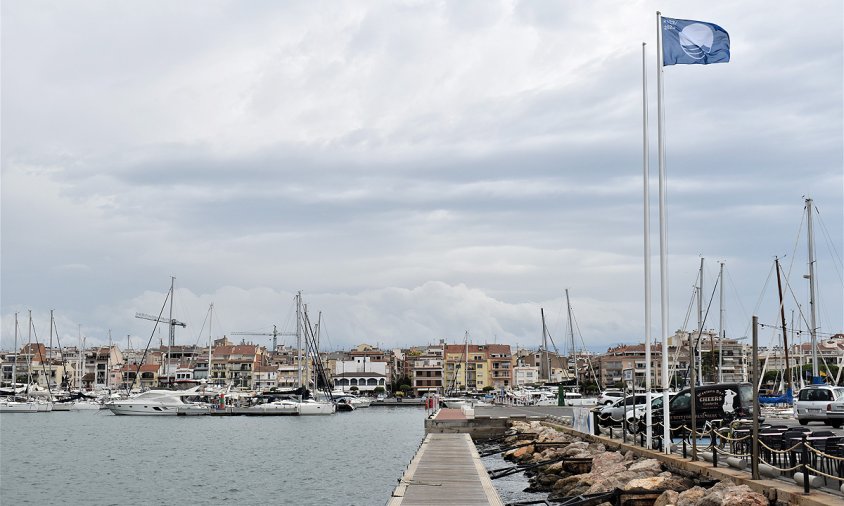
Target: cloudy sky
{"points": [[418, 169]]}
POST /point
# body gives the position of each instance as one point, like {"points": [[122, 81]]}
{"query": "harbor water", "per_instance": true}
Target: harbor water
{"points": [[98, 458]]}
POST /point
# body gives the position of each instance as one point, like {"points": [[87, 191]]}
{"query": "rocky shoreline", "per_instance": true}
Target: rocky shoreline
{"points": [[580, 468]]}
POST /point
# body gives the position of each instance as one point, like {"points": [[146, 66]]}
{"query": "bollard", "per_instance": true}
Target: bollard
{"points": [[684, 448], [814, 481], [714, 457], [804, 457], [769, 471]]}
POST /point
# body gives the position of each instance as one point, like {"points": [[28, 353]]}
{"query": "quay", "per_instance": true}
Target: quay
{"points": [[446, 470]]}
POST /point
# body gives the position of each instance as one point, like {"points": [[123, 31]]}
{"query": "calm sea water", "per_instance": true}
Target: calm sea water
{"points": [[98, 458]]}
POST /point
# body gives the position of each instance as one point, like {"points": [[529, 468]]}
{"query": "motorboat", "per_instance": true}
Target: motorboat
{"points": [[345, 404], [159, 403]]}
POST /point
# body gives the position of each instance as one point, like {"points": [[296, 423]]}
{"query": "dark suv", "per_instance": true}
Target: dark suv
{"points": [[718, 401]]}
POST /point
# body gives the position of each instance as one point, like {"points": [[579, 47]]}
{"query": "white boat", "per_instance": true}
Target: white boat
{"points": [[312, 407], [275, 408], [158, 403], [12, 406], [357, 402]]}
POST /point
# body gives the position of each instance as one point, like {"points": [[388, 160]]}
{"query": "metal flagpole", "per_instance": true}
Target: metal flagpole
{"points": [[647, 254], [721, 334], [663, 241]]}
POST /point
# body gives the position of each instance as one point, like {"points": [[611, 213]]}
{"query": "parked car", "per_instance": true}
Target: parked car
{"points": [[608, 397], [613, 414], [835, 413], [718, 401], [820, 403], [638, 415]]}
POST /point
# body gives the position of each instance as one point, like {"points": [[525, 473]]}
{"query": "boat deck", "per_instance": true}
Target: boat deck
{"points": [[446, 470]]}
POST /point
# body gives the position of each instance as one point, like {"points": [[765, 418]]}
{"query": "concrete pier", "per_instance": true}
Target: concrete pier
{"points": [[446, 470]]}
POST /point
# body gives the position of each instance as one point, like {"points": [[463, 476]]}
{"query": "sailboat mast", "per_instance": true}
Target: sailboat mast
{"points": [[812, 307], [29, 355], [299, 339], [51, 332], [571, 333], [172, 337], [784, 330], [108, 361], [79, 360], [210, 337], [546, 361], [17, 355]]}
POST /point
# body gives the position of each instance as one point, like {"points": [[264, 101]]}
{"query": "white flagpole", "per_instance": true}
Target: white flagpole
{"points": [[663, 241], [647, 233]]}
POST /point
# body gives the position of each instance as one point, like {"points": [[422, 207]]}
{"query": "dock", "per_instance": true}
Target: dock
{"points": [[446, 470]]}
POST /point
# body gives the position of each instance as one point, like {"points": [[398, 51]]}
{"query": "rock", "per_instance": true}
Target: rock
{"points": [[650, 466], [715, 495], [657, 483], [554, 468], [629, 456], [668, 498], [691, 497], [523, 453], [606, 460], [742, 495], [596, 448], [573, 448]]}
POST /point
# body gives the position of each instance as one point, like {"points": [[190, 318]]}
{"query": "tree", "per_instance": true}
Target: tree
{"points": [[379, 390], [488, 388], [354, 389]]}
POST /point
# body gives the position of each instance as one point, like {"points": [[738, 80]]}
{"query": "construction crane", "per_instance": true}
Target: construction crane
{"points": [[172, 322], [274, 334]]}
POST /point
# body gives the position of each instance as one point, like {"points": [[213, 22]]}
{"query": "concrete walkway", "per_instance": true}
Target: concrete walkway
{"points": [[446, 470]]}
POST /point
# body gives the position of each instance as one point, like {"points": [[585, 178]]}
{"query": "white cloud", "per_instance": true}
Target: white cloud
{"points": [[483, 154]]}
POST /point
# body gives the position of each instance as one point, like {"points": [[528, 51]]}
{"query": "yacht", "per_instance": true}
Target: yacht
{"points": [[159, 403]]}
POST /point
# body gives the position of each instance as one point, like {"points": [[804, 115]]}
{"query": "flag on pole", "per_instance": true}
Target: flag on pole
{"points": [[688, 42]]}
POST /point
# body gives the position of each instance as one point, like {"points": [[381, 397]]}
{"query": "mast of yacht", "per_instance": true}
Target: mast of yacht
{"points": [[812, 306], [15, 363], [546, 361], [784, 330], [299, 339], [108, 361], [210, 336], [29, 355], [573, 348], [79, 360], [172, 337]]}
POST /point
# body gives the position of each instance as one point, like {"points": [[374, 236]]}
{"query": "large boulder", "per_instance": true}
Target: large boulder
{"points": [[691, 497], [647, 466], [668, 498], [523, 453], [660, 482]]}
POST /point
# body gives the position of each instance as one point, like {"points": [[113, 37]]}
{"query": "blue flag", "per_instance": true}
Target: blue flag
{"points": [[685, 41]]}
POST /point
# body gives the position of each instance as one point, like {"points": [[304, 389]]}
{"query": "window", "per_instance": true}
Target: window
{"points": [[682, 401]]}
